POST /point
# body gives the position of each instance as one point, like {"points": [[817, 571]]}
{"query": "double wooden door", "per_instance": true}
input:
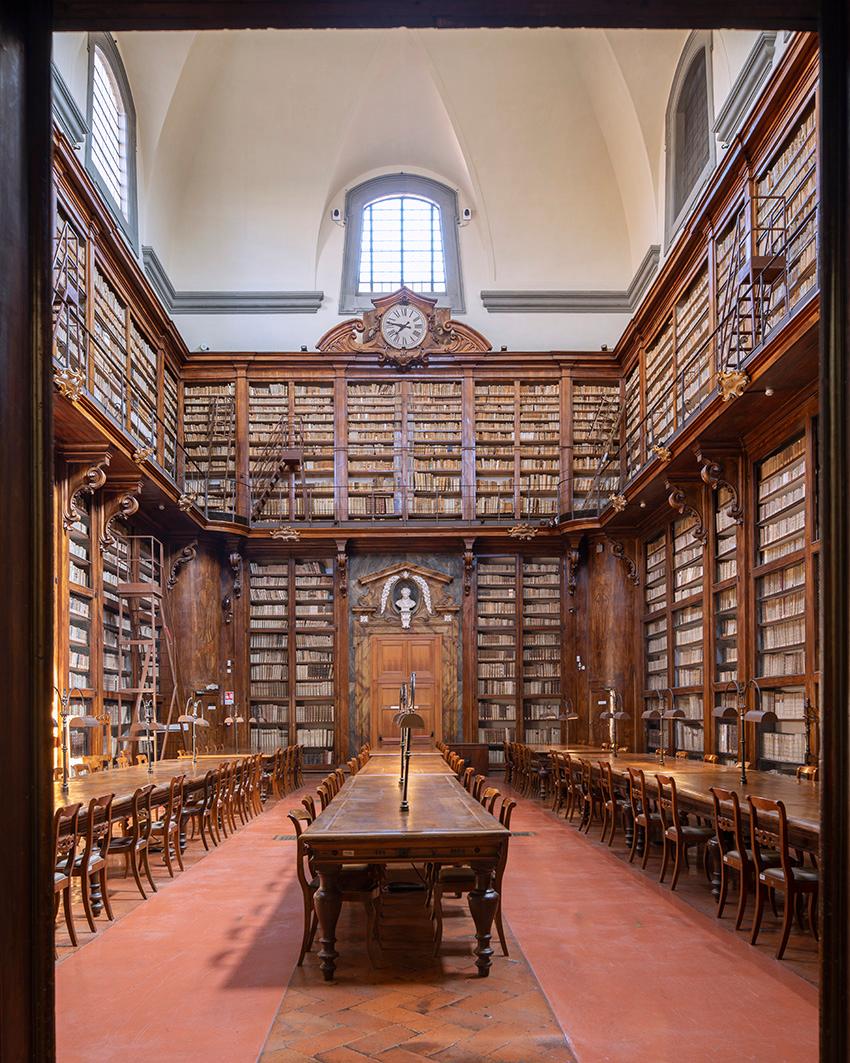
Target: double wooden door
{"points": [[393, 658]]}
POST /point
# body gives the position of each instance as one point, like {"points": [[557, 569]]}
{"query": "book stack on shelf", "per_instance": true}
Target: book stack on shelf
{"points": [[374, 450], [313, 411], [496, 607], [780, 591], [539, 449], [143, 387], [660, 387], [734, 331], [209, 417], [541, 648], [268, 643], [694, 355], [314, 660], [268, 406], [109, 353], [689, 733], [786, 198], [655, 635], [495, 436], [80, 599], [726, 589], [688, 646], [596, 414], [170, 419], [687, 560], [434, 419], [632, 421]]}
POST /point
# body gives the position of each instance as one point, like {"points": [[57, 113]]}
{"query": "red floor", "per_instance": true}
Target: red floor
{"points": [[199, 971]]}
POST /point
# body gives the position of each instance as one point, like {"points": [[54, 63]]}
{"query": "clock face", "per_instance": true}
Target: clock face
{"points": [[403, 326]]}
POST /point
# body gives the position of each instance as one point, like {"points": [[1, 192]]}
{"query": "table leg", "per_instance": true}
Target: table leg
{"points": [[483, 901], [328, 903]]}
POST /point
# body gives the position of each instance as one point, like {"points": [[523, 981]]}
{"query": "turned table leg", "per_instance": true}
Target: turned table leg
{"points": [[483, 902], [328, 903]]}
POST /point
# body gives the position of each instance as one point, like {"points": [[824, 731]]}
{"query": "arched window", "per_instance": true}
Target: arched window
{"points": [[111, 146], [690, 142], [400, 230]]}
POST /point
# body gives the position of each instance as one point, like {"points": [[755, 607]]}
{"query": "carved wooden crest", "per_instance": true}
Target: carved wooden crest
{"points": [[422, 592], [374, 333]]}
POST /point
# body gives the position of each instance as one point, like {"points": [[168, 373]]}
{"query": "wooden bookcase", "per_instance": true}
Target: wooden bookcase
{"points": [[268, 407], [542, 650], [81, 632], [434, 416], [374, 450], [539, 448], [497, 661], [170, 421], [313, 413], [596, 411], [632, 423], [694, 355], [291, 646], [209, 425], [495, 435], [655, 634]]}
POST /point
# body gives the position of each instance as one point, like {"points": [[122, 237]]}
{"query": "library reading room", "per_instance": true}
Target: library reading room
{"points": [[425, 436]]}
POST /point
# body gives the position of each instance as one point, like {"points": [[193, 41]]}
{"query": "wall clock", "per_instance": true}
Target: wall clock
{"points": [[403, 326]]}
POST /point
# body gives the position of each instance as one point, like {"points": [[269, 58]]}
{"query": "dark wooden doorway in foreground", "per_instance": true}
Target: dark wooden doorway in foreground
{"points": [[26, 991]]}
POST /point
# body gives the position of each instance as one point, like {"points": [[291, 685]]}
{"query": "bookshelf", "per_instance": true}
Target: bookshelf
{"points": [[632, 421], [497, 664], [70, 294], [268, 405], [687, 560], [109, 352], [541, 648], [724, 618], [495, 434], [313, 410], [693, 352], [374, 450], [314, 660], [117, 671], [142, 387], [268, 652], [595, 413], [434, 416], [660, 387], [539, 449], [80, 596], [655, 634], [170, 417], [209, 417]]}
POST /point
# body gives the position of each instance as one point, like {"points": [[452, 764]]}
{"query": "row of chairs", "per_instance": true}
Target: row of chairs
{"points": [[762, 862]]}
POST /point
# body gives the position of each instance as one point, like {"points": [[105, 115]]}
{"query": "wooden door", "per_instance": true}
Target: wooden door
{"points": [[394, 657]]}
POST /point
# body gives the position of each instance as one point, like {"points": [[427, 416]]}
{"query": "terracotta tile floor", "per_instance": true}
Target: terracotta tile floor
{"points": [[205, 970]]}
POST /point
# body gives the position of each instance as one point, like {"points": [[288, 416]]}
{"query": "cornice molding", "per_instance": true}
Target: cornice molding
{"points": [[200, 302], [508, 301], [746, 88], [68, 115]]}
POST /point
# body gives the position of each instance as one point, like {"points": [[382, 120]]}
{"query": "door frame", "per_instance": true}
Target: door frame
{"points": [[374, 709]]}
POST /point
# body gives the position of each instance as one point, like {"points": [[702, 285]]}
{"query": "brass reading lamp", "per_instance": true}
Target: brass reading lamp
{"points": [[566, 714], [194, 720], [407, 720], [742, 715], [613, 713], [402, 709], [234, 721], [66, 720], [669, 713], [145, 731]]}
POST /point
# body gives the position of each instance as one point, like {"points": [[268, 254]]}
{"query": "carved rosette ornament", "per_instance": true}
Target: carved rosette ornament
{"points": [[664, 453], [619, 551], [85, 480], [732, 383], [403, 330], [711, 473], [70, 383], [677, 499], [523, 532], [142, 454], [187, 554], [618, 503], [286, 535]]}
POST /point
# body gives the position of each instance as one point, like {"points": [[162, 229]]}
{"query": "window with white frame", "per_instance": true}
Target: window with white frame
{"points": [[111, 144], [401, 230]]}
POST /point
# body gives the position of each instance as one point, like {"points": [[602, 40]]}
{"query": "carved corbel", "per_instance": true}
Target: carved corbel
{"points": [[468, 566], [88, 474], [677, 499], [122, 504], [235, 561], [187, 554], [711, 473], [573, 560], [619, 551], [342, 567]]}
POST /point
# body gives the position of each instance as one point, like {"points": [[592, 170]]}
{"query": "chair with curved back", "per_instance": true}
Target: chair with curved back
{"points": [[677, 834], [199, 810], [591, 797], [614, 806], [90, 866], [65, 854], [644, 816], [489, 797], [166, 829], [133, 843], [733, 847]]}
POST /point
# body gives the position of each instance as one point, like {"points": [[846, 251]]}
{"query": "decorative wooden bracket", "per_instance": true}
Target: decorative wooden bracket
{"points": [[342, 567], [711, 473], [677, 500], [122, 504], [235, 561], [619, 551], [88, 473], [573, 561], [468, 566], [187, 554]]}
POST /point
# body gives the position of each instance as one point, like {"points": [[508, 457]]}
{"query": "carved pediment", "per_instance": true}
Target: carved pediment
{"points": [[402, 592], [367, 335]]}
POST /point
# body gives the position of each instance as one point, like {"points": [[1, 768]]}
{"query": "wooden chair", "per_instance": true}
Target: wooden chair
{"points": [[309, 806], [560, 785], [509, 762], [769, 831], [468, 775], [167, 828], [808, 773], [141, 758], [733, 849], [357, 883], [460, 880], [644, 817], [711, 758], [614, 807], [591, 797], [324, 795], [677, 833], [81, 770], [133, 843], [681, 754], [65, 854], [478, 786], [90, 866], [122, 761], [199, 811], [353, 766], [489, 797]]}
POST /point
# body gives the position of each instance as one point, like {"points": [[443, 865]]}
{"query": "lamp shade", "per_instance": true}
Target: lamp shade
{"points": [[618, 715], [651, 714], [760, 716], [85, 721], [725, 712], [198, 721], [411, 720], [674, 714]]}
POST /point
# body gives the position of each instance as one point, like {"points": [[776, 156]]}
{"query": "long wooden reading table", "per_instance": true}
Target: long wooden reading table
{"points": [[445, 825]]}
